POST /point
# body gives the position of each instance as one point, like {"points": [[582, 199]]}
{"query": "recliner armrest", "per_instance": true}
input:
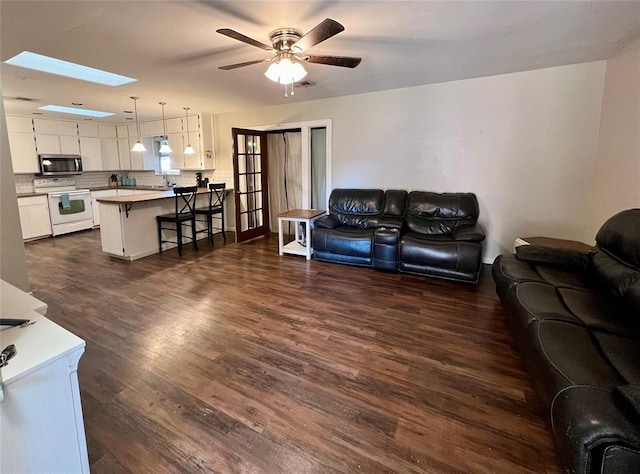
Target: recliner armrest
{"points": [[559, 257], [327, 222], [468, 233], [391, 222]]}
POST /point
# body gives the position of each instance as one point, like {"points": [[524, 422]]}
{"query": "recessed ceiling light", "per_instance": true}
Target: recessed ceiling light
{"points": [[71, 110], [128, 111], [76, 103], [68, 69], [37, 113], [128, 118]]}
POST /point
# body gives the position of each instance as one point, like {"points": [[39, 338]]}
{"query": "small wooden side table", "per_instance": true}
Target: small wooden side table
{"points": [[301, 245]]}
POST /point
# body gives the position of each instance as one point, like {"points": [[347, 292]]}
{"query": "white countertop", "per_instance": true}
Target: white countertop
{"points": [[14, 302]]}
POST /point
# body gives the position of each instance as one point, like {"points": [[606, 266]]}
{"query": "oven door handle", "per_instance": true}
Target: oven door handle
{"points": [[70, 193]]}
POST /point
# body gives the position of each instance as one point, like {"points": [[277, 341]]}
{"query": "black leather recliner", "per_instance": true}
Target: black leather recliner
{"points": [[424, 233], [442, 237], [358, 218], [576, 319]]}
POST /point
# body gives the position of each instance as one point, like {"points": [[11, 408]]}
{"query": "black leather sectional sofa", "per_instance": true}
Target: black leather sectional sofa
{"points": [[418, 232], [576, 319]]}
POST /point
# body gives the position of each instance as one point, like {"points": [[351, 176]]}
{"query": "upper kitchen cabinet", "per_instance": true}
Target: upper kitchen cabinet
{"points": [[56, 136], [153, 128], [200, 137], [91, 152], [55, 127], [22, 144], [143, 160], [87, 129]]}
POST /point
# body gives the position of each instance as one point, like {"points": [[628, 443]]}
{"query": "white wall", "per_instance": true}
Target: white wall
{"points": [[13, 264], [616, 180], [525, 143]]}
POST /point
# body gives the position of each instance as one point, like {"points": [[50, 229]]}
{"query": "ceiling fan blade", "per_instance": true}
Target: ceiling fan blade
{"points": [[343, 61], [322, 31], [245, 39], [237, 65]]}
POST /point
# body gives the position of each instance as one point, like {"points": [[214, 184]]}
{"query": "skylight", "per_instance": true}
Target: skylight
{"points": [[68, 69], [73, 110]]}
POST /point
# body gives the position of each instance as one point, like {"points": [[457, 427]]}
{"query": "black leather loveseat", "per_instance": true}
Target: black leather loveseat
{"points": [[576, 319], [419, 232]]}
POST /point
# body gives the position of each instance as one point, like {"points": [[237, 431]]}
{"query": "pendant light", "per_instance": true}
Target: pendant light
{"points": [[165, 149], [189, 149], [138, 146]]}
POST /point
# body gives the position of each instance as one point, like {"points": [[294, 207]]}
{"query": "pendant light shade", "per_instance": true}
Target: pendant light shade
{"points": [[188, 149], [165, 149], [138, 147]]}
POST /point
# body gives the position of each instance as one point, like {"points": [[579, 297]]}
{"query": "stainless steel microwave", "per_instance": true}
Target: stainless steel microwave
{"points": [[51, 165]]}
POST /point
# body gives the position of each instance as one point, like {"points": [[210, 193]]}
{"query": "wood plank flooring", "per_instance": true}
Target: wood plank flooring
{"points": [[233, 359]]}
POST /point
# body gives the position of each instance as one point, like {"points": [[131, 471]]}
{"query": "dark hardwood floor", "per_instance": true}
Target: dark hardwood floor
{"points": [[233, 359]]}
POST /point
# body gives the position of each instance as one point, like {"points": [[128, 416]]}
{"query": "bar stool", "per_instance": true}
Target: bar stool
{"points": [[185, 205], [214, 211]]}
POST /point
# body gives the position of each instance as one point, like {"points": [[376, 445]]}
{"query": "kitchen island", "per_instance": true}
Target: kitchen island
{"points": [[128, 223]]}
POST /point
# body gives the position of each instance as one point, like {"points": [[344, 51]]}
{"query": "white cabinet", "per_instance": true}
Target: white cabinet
{"points": [[24, 155], [107, 131], [110, 154], [174, 125], [177, 147], [86, 129], [55, 127], [57, 144], [95, 195], [145, 160], [153, 128], [41, 423], [90, 150], [200, 137], [19, 124], [124, 152], [34, 217]]}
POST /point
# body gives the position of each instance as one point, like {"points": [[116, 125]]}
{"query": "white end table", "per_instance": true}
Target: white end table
{"points": [[301, 245]]}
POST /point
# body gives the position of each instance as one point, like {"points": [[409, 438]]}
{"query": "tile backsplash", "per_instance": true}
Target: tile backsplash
{"points": [[95, 179]]}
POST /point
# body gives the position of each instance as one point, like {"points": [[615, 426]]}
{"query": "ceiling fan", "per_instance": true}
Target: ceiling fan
{"points": [[288, 46]]}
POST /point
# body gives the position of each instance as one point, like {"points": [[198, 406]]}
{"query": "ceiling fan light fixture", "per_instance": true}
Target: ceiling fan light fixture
{"points": [[285, 71]]}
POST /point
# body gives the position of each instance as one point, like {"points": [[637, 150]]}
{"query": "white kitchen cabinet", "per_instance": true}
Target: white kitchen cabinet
{"points": [[153, 128], [17, 123], [34, 217], [87, 129], [194, 161], [177, 147], [174, 125], [110, 154], [41, 423], [55, 127], [143, 160], [124, 151], [24, 155], [57, 144], [91, 152], [94, 202], [107, 131], [122, 131], [201, 139]]}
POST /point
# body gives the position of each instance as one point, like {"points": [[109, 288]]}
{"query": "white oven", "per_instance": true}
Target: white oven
{"points": [[69, 208]]}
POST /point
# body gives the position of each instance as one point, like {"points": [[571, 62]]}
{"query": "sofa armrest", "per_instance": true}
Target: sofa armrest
{"points": [[327, 222], [391, 222], [468, 232], [560, 257]]}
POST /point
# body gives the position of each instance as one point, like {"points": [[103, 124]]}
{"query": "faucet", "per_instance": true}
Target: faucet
{"points": [[166, 180]]}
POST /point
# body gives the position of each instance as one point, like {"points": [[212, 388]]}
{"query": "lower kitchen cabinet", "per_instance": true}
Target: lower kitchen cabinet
{"points": [[94, 202], [34, 217]]}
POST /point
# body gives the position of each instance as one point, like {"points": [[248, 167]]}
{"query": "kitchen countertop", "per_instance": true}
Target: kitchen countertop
{"points": [[25, 195], [151, 196], [104, 188]]}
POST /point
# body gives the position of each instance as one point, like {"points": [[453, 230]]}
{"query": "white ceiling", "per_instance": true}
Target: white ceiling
{"points": [[173, 49]]}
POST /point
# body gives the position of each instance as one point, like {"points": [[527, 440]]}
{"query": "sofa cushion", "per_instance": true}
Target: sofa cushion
{"points": [[612, 273], [395, 203], [357, 207], [437, 214]]}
